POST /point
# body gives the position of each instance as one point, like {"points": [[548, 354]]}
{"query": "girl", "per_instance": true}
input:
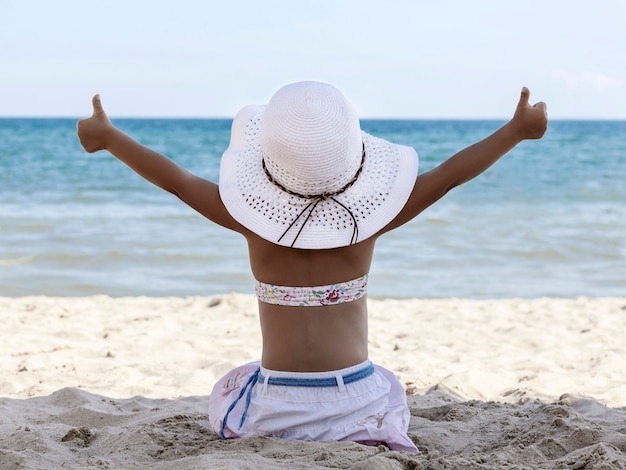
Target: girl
{"points": [[311, 193]]}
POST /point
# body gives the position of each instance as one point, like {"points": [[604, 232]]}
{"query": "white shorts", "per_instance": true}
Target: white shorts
{"points": [[368, 407]]}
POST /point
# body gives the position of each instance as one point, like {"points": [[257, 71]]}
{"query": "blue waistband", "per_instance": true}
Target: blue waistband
{"points": [[318, 382], [256, 377]]}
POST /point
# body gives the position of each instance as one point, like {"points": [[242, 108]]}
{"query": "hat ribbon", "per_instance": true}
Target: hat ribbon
{"points": [[316, 199]]}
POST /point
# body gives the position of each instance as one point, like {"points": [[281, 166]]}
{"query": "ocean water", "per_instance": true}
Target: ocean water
{"points": [[547, 220]]}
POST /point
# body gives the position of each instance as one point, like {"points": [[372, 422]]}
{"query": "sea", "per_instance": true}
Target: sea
{"points": [[547, 220]]}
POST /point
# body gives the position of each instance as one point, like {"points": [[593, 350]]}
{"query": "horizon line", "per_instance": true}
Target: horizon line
{"points": [[364, 118]]}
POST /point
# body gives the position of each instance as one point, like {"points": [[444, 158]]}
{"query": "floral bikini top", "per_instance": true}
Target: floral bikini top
{"points": [[317, 296]]}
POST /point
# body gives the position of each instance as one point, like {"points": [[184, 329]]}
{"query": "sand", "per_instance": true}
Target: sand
{"points": [[100, 382]]}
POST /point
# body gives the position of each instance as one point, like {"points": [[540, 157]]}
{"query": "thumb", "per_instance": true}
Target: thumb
{"points": [[98, 110], [524, 97]]}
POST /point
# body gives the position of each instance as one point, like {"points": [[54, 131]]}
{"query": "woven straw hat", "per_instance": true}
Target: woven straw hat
{"points": [[300, 172]]}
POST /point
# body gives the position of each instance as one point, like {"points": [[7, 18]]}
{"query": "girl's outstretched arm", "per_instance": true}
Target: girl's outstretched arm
{"points": [[528, 122], [98, 133]]}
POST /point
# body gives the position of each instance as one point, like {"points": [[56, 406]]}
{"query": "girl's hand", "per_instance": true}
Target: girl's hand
{"points": [[94, 131], [531, 121]]}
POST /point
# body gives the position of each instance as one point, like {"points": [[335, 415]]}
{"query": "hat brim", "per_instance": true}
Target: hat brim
{"points": [[376, 197]]}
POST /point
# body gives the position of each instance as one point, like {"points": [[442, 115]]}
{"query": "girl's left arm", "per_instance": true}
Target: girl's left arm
{"points": [[98, 133]]}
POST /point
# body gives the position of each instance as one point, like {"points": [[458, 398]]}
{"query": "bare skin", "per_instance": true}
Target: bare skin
{"points": [[311, 339]]}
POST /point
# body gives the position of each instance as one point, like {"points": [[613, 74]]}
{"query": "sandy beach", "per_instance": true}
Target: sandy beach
{"points": [[101, 382]]}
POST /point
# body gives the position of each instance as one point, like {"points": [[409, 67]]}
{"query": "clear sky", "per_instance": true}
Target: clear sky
{"points": [[404, 58]]}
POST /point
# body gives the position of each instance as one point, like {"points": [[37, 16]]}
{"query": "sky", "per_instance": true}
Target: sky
{"points": [[427, 59]]}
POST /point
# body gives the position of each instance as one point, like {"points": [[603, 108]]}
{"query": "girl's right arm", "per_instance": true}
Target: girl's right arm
{"points": [[98, 133], [528, 122]]}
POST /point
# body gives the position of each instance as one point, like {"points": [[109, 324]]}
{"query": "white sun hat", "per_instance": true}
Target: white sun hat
{"points": [[299, 171]]}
